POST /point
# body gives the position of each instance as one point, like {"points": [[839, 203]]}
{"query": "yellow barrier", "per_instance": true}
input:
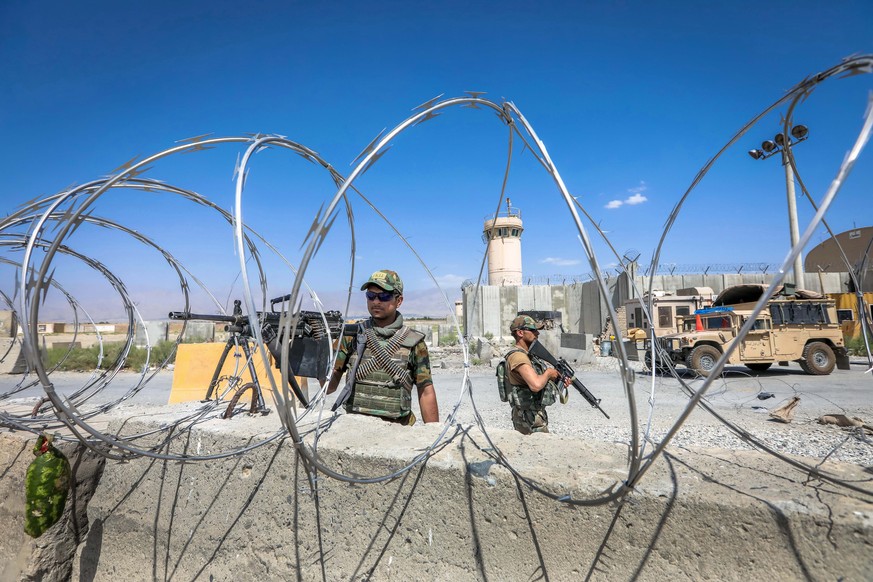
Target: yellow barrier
{"points": [[195, 364]]}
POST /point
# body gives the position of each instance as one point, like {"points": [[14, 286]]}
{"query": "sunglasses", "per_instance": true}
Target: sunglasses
{"points": [[384, 296]]}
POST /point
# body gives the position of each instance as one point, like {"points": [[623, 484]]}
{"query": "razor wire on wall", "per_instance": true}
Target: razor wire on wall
{"points": [[42, 233]]}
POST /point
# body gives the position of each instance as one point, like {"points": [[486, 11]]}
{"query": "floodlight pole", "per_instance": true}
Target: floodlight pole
{"points": [[794, 229], [782, 143]]}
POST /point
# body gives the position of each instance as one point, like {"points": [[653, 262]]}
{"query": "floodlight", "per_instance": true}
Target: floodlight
{"points": [[768, 146], [779, 139], [799, 132], [756, 154]]}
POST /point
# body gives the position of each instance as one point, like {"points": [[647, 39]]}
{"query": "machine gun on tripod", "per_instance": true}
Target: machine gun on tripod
{"points": [[307, 356]]}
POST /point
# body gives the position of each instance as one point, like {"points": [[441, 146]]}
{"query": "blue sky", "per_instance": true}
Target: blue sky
{"points": [[630, 98]]}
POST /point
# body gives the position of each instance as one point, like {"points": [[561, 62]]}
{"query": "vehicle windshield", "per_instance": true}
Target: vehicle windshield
{"points": [[717, 322]]}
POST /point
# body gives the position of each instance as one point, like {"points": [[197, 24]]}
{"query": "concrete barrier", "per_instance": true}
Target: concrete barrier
{"points": [[195, 366], [706, 514], [13, 361]]}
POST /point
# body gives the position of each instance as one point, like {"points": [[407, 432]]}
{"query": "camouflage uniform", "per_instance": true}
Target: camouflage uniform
{"points": [[46, 484], [530, 421], [528, 407], [375, 393]]}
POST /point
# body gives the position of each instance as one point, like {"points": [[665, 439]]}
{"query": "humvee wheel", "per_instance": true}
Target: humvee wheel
{"points": [[759, 367], [818, 359], [702, 359]]}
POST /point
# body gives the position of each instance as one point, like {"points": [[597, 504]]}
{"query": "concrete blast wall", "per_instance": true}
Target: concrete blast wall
{"points": [[11, 357], [494, 307], [713, 515]]}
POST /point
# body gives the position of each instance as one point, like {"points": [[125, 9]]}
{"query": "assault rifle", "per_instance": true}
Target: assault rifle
{"points": [[560, 364], [309, 351]]}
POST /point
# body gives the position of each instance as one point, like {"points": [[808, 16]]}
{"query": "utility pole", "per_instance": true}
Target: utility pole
{"points": [[782, 143], [793, 228]]}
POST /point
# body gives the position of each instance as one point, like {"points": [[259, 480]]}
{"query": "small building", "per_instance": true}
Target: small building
{"points": [[51, 327]]}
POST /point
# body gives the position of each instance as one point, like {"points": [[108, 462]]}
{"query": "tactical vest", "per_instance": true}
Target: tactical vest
{"points": [[376, 391], [523, 397]]}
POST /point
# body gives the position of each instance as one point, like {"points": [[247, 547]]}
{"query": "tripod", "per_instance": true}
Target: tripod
{"points": [[308, 364], [239, 336]]}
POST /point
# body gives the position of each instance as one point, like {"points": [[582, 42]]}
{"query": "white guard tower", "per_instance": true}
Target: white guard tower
{"points": [[504, 253]]}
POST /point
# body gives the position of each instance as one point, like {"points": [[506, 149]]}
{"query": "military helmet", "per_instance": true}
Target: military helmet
{"points": [[524, 322]]}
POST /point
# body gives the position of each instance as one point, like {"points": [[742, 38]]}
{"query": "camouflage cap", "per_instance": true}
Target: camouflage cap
{"points": [[385, 279], [525, 322]]}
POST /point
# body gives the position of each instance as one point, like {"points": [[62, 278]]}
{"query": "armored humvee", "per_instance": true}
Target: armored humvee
{"points": [[796, 326]]}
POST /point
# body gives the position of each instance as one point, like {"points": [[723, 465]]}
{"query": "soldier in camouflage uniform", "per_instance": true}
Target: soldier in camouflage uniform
{"points": [[385, 360], [532, 380]]}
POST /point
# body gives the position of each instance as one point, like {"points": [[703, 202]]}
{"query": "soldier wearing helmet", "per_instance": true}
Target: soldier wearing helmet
{"points": [[385, 360], [532, 380]]}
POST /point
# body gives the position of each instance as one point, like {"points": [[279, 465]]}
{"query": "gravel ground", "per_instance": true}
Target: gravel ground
{"points": [[734, 396]]}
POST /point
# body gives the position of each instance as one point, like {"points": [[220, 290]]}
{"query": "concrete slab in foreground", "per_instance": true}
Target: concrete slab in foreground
{"points": [[698, 515]]}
